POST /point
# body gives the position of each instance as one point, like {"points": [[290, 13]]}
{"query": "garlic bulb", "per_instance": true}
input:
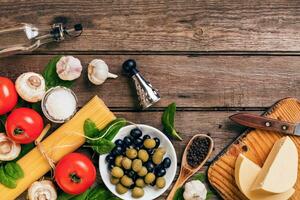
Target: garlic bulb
{"points": [[31, 86], [42, 190], [98, 72], [194, 190], [68, 68], [9, 150]]}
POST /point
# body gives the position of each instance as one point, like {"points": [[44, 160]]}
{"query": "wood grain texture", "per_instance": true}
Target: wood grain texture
{"points": [[191, 82], [256, 145], [158, 25]]}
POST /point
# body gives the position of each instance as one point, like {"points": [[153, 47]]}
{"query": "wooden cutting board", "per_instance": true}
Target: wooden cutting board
{"points": [[256, 145]]}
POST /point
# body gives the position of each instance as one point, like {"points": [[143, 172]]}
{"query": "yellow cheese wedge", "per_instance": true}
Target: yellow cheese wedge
{"points": [[279, 172], [245, 173]]}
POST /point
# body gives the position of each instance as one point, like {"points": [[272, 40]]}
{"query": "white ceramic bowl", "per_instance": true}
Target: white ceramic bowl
{"points": [[151, 192]]}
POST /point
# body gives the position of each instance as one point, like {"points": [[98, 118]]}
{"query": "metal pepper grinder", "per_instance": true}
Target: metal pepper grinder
{"points": [[146, 93]]}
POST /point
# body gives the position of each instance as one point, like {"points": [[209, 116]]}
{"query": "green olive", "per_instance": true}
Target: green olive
{"points": [[140, 182], [149, 178], [126, 163], [158, 155], [114, 180], [126, 181], [143, 155], [149, 143], [121, 189], [131, 153], [117, 172], [160, 182], [143, 172], [137, 165], [118, 161], [137, 192]]}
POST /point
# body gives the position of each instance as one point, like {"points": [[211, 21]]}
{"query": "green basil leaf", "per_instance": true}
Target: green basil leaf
{"points": [[90, 128], [64, 196], [37, 107], [179, 194], [2, 123], [13, 170], [209, 194], [168, 118], [99, 193], [172, 111], [102, 146], [6, 180], [199, 177], [51, 77], [114, 127], [82, 196]]}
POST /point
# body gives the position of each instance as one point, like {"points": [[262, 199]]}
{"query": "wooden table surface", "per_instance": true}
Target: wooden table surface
{"points": [[213, 58]]}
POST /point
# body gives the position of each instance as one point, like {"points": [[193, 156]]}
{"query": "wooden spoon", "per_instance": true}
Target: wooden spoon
{"points": [[186, 170]]}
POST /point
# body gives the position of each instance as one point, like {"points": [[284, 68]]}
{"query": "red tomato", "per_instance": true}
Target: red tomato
{"points": [[75, 173], [24, 125], [8, 95]]}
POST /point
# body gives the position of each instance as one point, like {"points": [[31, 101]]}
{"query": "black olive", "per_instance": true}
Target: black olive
{"points": [[150, 166], [110, 166], [110, 158], [150, 151], [138, 142], [117, 151], [166, 162], [136, 133], [146, 137], [119, 142], [157, 141], [131, 174], [153, 183], [128, 140], [161, 172]]}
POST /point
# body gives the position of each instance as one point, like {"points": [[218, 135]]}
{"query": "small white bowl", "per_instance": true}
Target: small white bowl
{"points": [[151, 192]]}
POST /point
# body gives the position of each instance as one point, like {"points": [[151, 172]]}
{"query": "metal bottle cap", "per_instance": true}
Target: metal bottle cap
{"points": [[146, 93]]}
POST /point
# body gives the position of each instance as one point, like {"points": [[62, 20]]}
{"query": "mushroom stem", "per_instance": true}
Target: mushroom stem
{"points": [[110, 75]]}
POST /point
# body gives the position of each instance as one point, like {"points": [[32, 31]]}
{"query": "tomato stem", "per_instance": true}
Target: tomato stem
{"points": [[18, 131], [75, 178]]}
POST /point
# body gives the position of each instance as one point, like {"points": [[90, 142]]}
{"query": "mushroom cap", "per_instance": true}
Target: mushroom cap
{"points": [[42, 190], [9, 150], [31, 86]]}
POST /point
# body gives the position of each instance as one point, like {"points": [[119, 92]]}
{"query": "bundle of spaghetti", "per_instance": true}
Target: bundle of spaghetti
{"points": [[58, 144]]}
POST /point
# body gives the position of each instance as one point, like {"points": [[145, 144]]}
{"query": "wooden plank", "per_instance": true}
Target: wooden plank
{"points": [[193, 82], [166, 25]]}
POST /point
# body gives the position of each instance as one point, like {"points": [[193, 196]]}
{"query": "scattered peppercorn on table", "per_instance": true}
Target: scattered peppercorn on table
{"points": [[212, 59]]}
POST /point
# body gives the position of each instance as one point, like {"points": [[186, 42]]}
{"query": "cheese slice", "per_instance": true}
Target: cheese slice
{"points": [[279, 172], [245, 173]]}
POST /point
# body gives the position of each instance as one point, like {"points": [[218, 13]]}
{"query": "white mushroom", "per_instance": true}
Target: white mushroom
{"points": [[9, 150], [31, 86], [68, 68], [42, 190], [98, 72]]}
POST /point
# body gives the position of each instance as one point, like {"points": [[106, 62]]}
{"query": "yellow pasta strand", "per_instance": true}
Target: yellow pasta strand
{"points": [[57, 145]]}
